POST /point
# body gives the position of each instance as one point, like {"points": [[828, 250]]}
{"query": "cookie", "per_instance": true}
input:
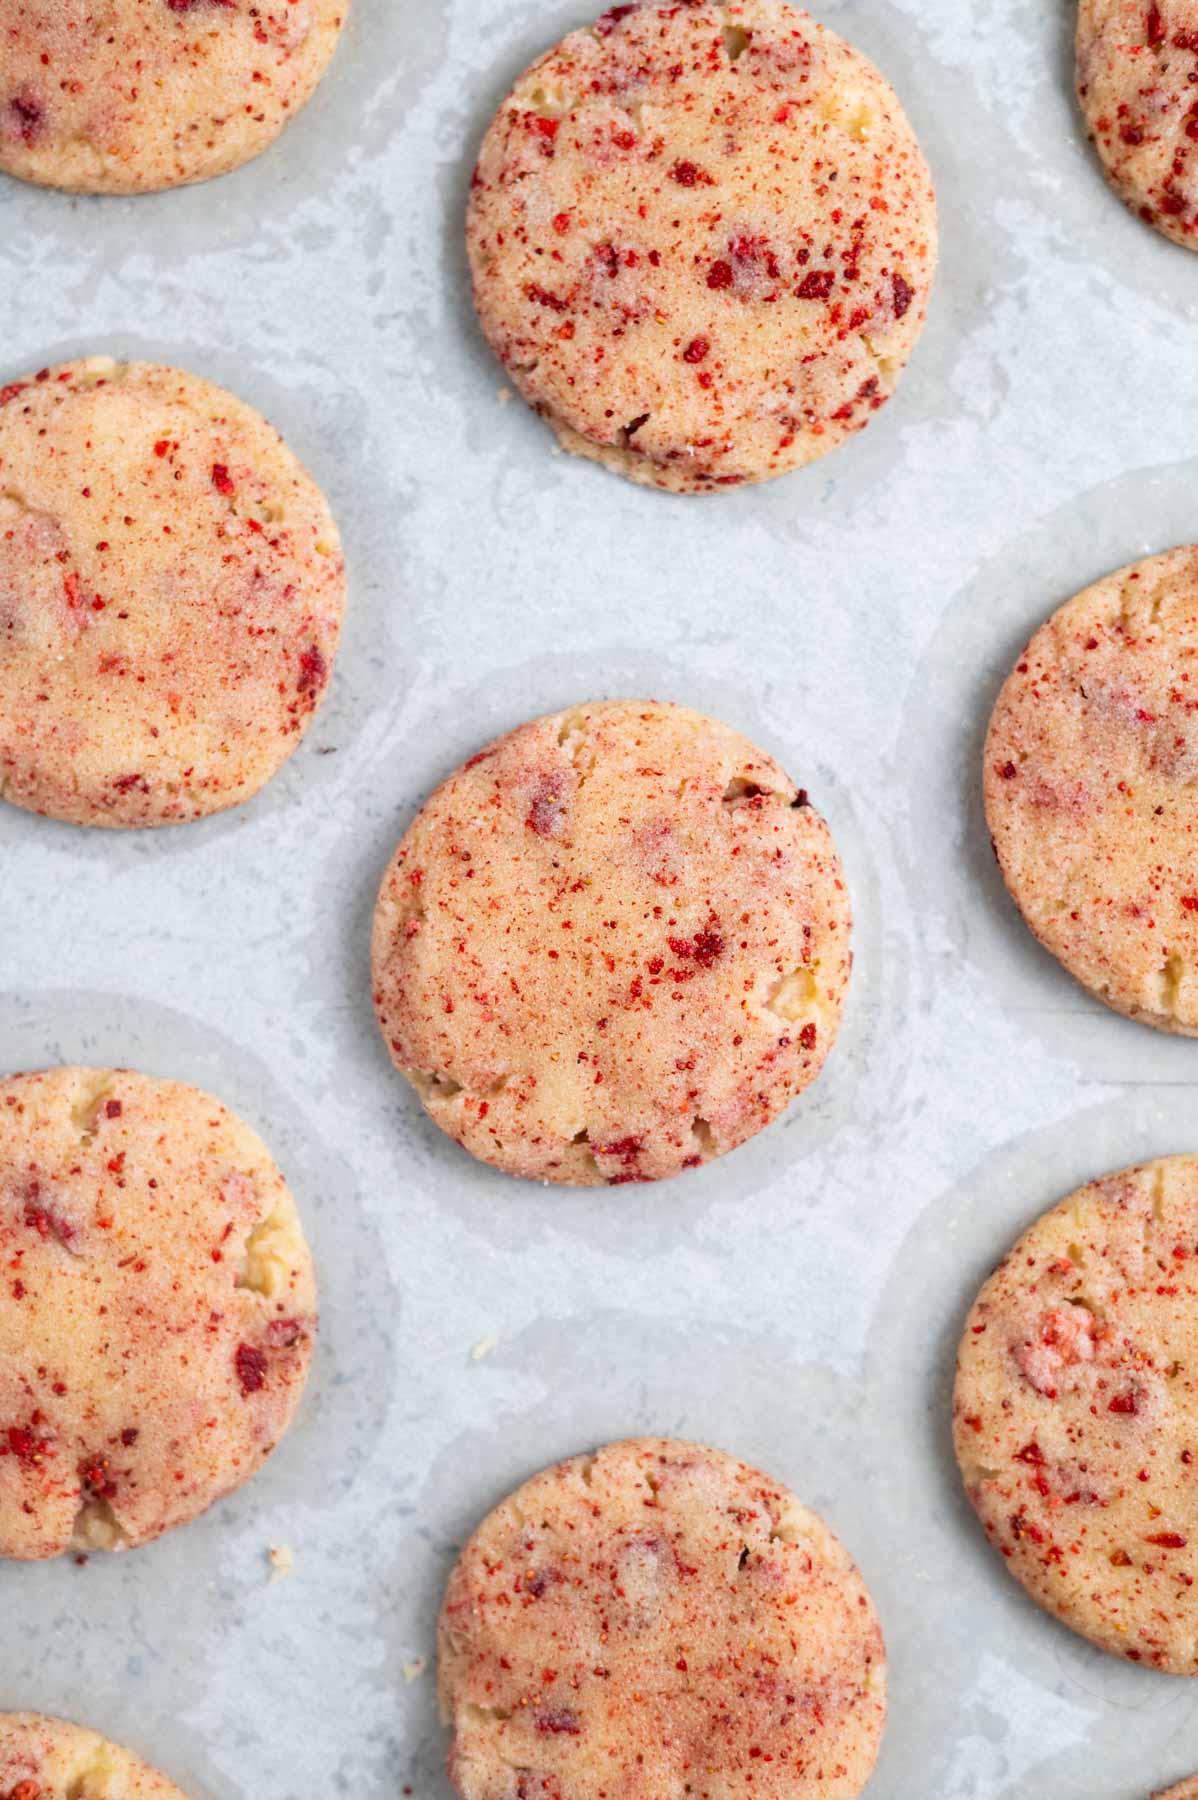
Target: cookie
{"points": [[1076, 1412], [157, 1308], [1091, 784], [702, 240], [612, 946], [659, 1619], [1185, 1790], [47, 1759], [144, 94], [1137, 81], [171, 591]]}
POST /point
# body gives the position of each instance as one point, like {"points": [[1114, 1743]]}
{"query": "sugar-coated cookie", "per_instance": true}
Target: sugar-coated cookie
{"points": [[702, 239], [48, 1759], [613, 945], [142, 94], [1076, 1412], [659, 1619], [171, 591], [1091, 783], [157, 1308], [1137, 80], [1185, 1790]]}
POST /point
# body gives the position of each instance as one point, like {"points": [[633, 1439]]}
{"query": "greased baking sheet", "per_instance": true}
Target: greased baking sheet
{"points": [[798, 1302]]}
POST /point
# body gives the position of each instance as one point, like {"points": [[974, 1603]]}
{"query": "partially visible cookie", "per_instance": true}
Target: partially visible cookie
{"points": [[1075, 1415], [655, 1619], [1091, 783], [171, 591], [143, 94], [702, 239], [48, 1759], [157, 1308], [612, 946], [1185, 1790], [1137, 80]]}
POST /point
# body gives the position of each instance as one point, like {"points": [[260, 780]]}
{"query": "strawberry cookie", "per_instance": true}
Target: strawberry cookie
{"points": [[157, 1308], [702, 239], [659, 1619], [171, 591], [47, 1759], [1091, 783], [612, 946], [1185, 1790], [1137, 80], [1076, 1412], [143, 94]]}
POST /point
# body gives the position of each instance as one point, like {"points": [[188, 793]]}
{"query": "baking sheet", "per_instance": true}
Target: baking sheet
{"points": [[798, 1302]]}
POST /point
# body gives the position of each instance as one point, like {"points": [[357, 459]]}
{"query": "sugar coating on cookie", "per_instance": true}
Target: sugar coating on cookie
{"points": [[144, 94], [613, 945], [1091, 784], [659, 1618], [49, 1759], [702, 239], [157, 1308], [171, 592], [1137, 81], [1076, 1412]]}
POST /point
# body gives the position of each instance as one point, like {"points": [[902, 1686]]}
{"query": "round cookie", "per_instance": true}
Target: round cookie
{"points": [[1076, 1412], [702, 240], [144, 94], [653, 1618], [157, 1308], [171, 591], [1185, 1790], [1091, 785], [48, 1759], [612, 946], [1137, 81]]}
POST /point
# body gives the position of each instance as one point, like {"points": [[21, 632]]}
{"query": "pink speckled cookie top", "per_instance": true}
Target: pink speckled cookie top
{"points": [[1137, 80], [142, 94], [659, 1619], [1091, 781], [157, 1308], [1185, 1790], [613, 945], [1076, 1412], [171, 590], [48, 1759], [702, 238]]}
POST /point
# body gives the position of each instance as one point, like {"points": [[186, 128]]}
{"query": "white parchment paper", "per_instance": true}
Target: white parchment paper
{"points": [[799, 1302]]}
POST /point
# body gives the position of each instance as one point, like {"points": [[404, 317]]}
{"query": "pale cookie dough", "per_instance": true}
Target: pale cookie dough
{"points": [[136, 95], [702, 239], [1076, 1412], [47, 1759], [1091, 783], [659, 1619], [157, 1308], [171, 591], [613, 945], [1137, 81]]}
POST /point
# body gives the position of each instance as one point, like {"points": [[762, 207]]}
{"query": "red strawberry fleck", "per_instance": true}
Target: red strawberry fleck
{"points": [[904, 293], [313, 670], [719, 275], [816, 285], [220, 479], [557, 1718], [251, 1368], [696, 350]]}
